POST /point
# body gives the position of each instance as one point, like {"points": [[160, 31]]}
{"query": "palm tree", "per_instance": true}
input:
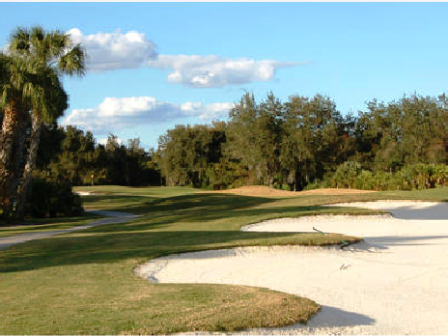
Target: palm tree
{"points": [[13, 80], [47, 56], [53, 103]]}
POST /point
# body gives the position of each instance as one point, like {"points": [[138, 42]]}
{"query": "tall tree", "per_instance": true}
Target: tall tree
{"points": [[51, 55], [311, 138], [56, 56], [253, 137], [55, 103], [15, 83], [242, 140], [269, 130]]}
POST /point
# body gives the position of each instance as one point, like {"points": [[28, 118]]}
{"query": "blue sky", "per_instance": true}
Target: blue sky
{"points": [[155, 65]]}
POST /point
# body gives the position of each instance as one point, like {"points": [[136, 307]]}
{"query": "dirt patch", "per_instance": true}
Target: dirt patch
{"points": [[264, 191], [334, 191]]}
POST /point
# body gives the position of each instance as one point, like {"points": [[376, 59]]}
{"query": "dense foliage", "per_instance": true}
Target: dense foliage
{"points": [[410, 177], [307, 143], [51, 198], [72, 155]]}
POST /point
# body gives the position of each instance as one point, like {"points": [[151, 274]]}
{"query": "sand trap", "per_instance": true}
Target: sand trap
{"points": [[396, 282], [264, 191]]}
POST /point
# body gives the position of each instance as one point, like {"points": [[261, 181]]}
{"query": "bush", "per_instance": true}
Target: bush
{"points": [[364, 180], [52, 199], [313, 185], [417, 176], [346, 173]]}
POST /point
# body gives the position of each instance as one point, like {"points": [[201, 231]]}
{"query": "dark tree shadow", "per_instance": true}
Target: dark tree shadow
{"points": [[434, 212], [382, 244], [334, 317], [105, 248]]}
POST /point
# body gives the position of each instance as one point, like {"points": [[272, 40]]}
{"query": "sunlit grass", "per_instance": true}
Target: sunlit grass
{"points": [[137, 191]]}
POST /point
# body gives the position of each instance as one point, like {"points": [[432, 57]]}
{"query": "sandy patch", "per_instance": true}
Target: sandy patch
{"points": [[396, 282], [83, 193], [334, 191], [99, 193], [264, 191]]}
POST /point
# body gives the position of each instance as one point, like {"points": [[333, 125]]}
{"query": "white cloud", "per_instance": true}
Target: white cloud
{"points": [[115, 114], [110, 51], [215, 71]]}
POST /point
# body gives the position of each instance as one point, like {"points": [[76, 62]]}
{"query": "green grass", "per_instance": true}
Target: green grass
{"points": [[83, 282], [437, 194], [42, 225], [138, 191]]}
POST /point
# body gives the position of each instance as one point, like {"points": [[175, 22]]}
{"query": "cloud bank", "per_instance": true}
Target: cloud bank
{"points": [[112, 51], [115, 114]]}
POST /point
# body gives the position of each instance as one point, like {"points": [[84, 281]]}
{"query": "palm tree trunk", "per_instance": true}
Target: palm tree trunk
{"points": [[12, 142], [19, 160], [30, 163]]}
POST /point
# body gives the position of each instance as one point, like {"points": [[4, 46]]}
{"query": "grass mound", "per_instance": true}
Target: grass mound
{"points": [[264, 191], [232, 308]]}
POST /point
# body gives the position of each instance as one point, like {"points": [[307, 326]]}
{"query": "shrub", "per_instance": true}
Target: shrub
{"points": [[52, 199], [417, 176], [345, 175], [364, 180]]}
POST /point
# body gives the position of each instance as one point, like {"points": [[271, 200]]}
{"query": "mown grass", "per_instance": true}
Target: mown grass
{"points": [[83, 282], [137, 191], [437, 194], [47, 224]]}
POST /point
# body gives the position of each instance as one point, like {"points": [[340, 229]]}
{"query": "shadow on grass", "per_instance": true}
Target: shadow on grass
{"points": [[106, 248], [206, 217], [191, 203], [36, 224], [194, 209], [113, 202]]}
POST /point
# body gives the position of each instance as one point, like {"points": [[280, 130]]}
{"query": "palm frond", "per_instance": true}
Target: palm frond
{"points": [[19, 41], [32, 70], [74, 62], [6, 95]]}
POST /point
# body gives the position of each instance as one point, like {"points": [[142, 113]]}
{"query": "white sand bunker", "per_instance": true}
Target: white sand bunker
{"points": [[396, 282]]}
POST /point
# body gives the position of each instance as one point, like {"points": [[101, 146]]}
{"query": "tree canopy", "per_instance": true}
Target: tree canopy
{"points": [[306, 142]]}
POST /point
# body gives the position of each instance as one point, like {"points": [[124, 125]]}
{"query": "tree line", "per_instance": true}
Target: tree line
{"points": [[74, 156], [304, 143], [307, 143]]}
